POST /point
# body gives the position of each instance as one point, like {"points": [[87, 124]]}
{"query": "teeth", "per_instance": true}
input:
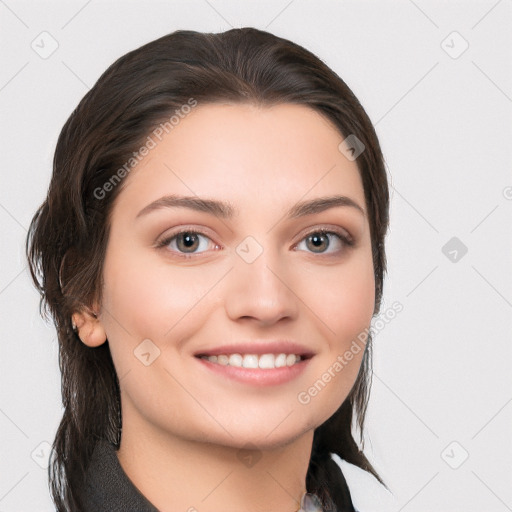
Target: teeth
{"points": [[235, 360], [264, 361], [291, 359], [280, 360], [222, 359], [250, 361]]}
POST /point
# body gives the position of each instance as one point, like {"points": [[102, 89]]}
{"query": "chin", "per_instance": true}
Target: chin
{"points": [[264, 437]]}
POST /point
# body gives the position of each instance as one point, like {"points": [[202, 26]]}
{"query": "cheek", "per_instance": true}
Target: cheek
{"points": [[343, 307], [345, 301], [146, 297]]}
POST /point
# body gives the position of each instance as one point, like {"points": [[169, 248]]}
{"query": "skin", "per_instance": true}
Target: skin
{"points": [[184, 426]]}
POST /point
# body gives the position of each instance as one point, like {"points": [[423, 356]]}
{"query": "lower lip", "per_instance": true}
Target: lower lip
{"points": [[258, 377]]}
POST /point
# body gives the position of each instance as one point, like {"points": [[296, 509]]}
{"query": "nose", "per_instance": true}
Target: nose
{"points": [[262, 290]]}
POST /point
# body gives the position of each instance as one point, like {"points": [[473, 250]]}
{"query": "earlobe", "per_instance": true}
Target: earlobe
{"points": [[89, 328]]}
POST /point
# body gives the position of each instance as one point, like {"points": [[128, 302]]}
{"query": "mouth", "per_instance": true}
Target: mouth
{"points": [[267, 361], [257, 363]]}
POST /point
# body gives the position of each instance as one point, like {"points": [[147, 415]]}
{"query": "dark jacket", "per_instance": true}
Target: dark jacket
{"points": [[108, 488]]}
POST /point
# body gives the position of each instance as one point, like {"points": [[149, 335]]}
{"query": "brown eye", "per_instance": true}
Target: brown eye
{"points": [[320, 241], [186, 242]]}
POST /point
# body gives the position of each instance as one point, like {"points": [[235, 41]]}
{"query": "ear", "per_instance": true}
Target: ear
{"points": [[89, 328]]}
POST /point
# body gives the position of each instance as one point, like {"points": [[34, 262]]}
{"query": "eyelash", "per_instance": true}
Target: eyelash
{"points": [[346, 241]]}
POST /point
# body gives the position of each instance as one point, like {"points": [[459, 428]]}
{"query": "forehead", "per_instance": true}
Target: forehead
{"points": [[247, 155]]}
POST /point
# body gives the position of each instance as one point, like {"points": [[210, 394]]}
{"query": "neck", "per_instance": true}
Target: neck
{"points": [[177, 474]]}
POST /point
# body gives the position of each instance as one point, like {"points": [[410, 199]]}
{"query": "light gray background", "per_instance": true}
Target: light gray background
{"points": [[442, 387]]}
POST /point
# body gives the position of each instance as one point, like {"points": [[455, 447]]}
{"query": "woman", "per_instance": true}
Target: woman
{"points": [[212, 252]]}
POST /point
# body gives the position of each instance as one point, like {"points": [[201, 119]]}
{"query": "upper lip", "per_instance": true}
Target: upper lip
{"points": [[258, 347]]}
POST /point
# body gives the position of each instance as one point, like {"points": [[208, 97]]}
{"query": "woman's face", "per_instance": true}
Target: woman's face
{"points": [[248, 273]]}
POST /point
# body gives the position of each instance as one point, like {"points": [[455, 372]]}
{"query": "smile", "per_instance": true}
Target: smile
{"points": [[262, 361], [256, 369]]}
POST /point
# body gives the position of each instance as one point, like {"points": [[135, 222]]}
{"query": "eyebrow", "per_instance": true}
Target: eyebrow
{"points": [[225, 210]]}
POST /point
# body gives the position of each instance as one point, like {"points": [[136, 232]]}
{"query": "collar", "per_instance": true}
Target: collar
{"points": [[107, 486]]}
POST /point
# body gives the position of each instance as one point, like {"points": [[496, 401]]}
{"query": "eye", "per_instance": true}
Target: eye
{"points": [[319, 241], [186, 241]]}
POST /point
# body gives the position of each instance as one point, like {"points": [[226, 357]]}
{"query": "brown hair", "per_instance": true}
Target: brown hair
{"points": [[68, 235]]}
